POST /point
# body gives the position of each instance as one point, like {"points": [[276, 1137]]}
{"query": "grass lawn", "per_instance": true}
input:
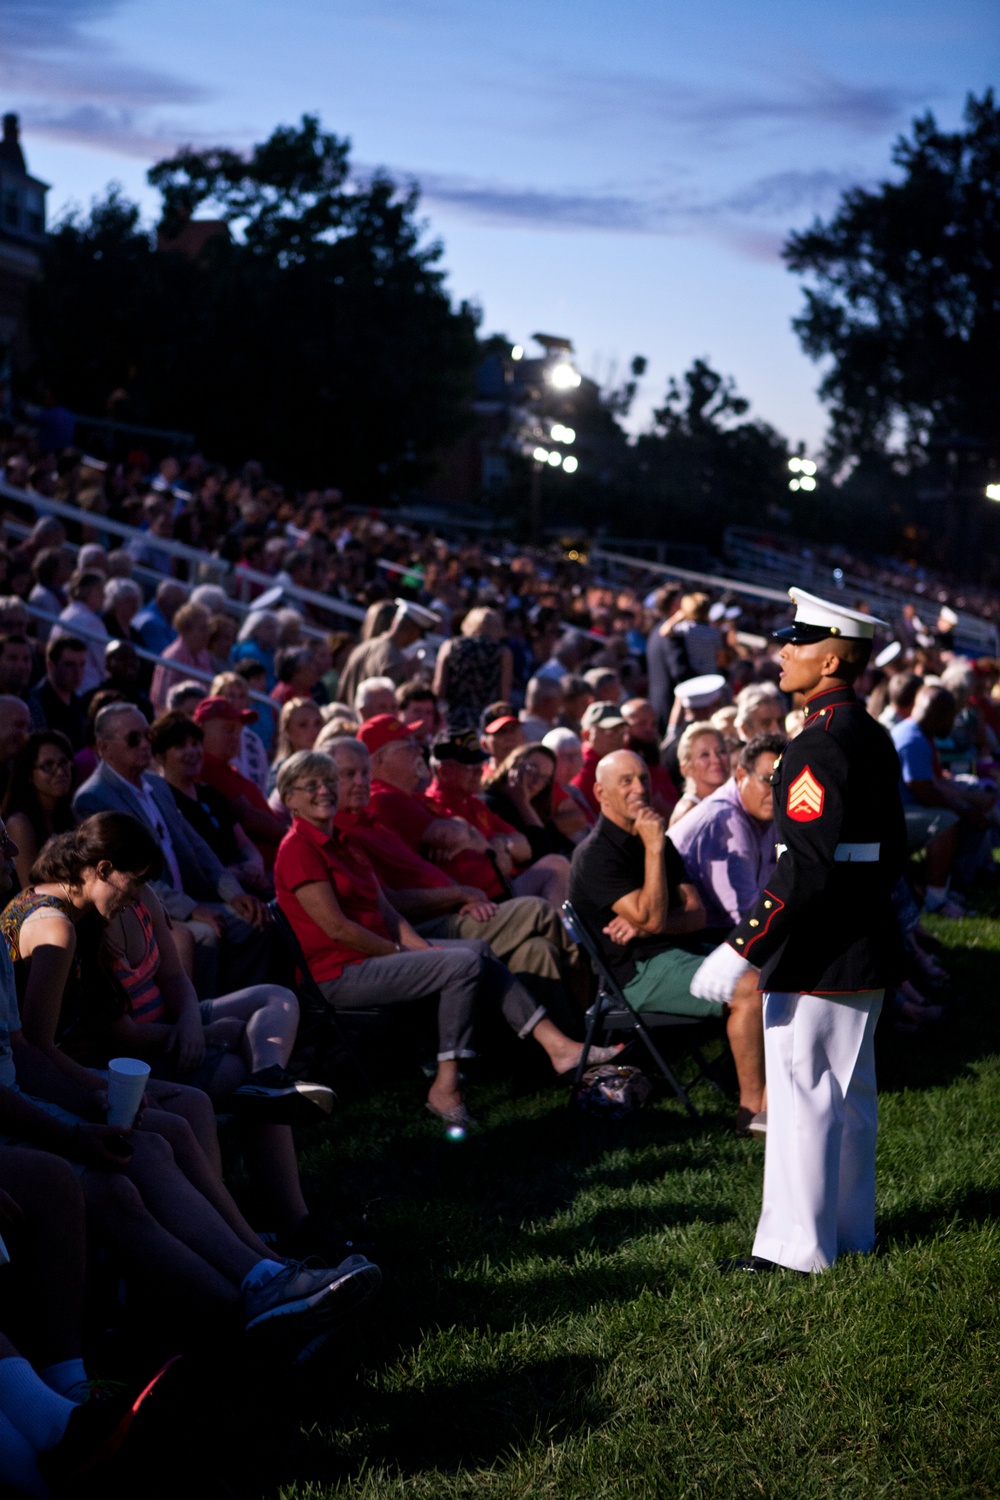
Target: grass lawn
{"points": [[552, 1323]]}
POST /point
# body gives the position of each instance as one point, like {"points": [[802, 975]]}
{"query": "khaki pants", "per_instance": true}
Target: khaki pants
{"points": [[527, 935]]}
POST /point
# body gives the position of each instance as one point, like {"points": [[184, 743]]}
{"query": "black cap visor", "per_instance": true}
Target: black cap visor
{"points": [[801, 634]]}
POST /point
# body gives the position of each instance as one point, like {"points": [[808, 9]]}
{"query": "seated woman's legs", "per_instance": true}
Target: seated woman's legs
{"points": [[452, 971], [200, 1172], [47, 1246], [523, 1013], [547, 877], [270, 1014], [195, 1107]]}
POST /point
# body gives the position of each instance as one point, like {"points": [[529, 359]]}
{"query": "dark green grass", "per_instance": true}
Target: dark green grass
{"points": [[552, 1323]]}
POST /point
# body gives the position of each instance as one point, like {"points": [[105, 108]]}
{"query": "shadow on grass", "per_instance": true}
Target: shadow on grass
{"points": [[464, 1421], [970, 1033], [913, 1223]]}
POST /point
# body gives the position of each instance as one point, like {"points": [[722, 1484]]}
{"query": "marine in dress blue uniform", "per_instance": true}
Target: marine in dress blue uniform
{"points": [[826, 941]]}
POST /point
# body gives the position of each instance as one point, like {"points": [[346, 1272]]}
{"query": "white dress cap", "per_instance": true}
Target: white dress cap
{"points": [[699, 692], [815, 619]]}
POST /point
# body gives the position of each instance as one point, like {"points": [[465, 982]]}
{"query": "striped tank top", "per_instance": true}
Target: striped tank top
{"points": [[138, 978]]}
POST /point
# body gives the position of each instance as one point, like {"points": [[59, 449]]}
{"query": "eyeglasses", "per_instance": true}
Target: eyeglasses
{"points": [[51, 767], [135, 737], [311, 788], [768, 780]]}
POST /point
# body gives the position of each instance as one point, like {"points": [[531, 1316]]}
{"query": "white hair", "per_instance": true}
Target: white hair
{"points": [[254, 620], [186, 689], [751, 698], [212, 597], [558, 740], [369, 686], [117, 590]]}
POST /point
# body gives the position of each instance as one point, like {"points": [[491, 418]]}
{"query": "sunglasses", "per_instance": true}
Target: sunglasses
{"points": [[51, 767], [312, 788], [135, 737]]}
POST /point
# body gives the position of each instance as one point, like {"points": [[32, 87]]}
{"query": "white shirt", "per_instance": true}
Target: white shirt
{"points": [[157, 823]]}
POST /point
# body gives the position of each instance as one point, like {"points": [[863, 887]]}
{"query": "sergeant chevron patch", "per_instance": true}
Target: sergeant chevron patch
{"points": [[805, 798]]}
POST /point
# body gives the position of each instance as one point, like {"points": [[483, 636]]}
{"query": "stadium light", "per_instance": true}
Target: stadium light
{"points": [[561, 434], [570, 464], [993, 492], [795, 464], [807, 482], [555, 459], [541, 455], [563, 376], [517, 352]]}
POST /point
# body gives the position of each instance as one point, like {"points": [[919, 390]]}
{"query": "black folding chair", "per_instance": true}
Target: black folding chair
{"points": [[611, 1011], [317, 1015]]}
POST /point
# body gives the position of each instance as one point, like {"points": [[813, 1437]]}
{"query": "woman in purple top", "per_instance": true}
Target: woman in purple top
{"points": [[726, 842]]}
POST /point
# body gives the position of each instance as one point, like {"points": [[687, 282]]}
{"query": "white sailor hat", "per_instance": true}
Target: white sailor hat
{"points": [[816, 619], [888, 654], [417, 614], [699, 692]]}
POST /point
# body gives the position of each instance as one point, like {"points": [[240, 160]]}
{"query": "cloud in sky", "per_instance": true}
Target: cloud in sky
{"points": [[807, 96], [735, 215], [49, 54]]}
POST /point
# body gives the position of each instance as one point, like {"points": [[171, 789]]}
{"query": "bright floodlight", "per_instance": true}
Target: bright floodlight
{"points": [[570, 464], [807, 482], [517, 352], [807, 466], [541, 455], [563, 376], [993, 492], [793, 484], [795, 464], [555, 459], [561, 434]]}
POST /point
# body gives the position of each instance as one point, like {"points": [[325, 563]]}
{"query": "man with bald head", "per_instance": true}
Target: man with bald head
{"points": [[629, 885]]}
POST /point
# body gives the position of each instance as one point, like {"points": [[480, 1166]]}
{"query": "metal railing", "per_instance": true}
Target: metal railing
{"points": [[204, 562], [80, 632]]}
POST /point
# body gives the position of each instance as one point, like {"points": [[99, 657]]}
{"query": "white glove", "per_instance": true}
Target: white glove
{"points": [[716, 979]]}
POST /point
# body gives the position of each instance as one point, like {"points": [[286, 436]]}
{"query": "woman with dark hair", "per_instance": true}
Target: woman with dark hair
{"points": [[176, 743], [39, 802], [98, 976], [520, 792]]}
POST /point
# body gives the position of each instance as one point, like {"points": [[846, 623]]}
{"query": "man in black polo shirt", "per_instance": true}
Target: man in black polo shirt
{"points": [[629, 885]]}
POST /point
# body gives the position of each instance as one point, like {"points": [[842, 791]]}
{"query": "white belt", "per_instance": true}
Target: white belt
{"points": [[857, 854]]}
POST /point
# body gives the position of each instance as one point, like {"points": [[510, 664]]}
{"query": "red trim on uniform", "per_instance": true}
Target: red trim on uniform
{"points": [[779, 905]]}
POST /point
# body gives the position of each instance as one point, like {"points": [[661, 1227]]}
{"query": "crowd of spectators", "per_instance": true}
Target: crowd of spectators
{"points": [[418, 794]]}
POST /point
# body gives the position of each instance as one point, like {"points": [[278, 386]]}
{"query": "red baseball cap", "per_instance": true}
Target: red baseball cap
{"points": [[221, 708], [501, 723], [383, 729]]}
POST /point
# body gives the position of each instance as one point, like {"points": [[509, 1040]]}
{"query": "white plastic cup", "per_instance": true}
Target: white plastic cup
{"points": [[126, 1086]]}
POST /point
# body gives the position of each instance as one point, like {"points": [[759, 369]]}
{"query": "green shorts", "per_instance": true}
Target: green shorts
{"points": [[663, 983]]}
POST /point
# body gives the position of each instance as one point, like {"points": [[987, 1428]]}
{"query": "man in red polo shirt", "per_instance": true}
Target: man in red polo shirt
{"points": [[459, 848], [526, 933], [222, 722]]}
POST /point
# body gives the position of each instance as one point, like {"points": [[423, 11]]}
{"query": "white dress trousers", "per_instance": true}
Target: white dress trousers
{"points": [[822, 1122]]}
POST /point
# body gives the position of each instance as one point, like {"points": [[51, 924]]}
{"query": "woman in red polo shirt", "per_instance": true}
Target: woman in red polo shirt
{"points": [[362, 953]]}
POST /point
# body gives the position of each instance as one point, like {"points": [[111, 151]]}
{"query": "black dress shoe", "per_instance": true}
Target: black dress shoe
{"points": [[755, 1265]]}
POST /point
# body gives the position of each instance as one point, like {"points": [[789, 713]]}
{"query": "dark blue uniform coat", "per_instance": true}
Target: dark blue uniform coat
{"points": [[826, 924]]}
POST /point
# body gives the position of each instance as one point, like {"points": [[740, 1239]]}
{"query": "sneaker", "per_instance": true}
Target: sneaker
{"points": [[306, 1299], [758, 1124], [99, 1428], [274, 1094]]}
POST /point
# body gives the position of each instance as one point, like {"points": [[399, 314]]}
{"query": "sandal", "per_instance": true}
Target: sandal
{"points": [[595, 1057], [457, 1115]]}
